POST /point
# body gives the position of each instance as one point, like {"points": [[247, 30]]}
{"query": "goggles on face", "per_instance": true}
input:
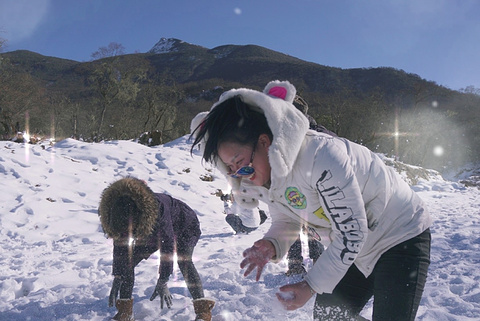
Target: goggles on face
{"points": [[245, 171]]}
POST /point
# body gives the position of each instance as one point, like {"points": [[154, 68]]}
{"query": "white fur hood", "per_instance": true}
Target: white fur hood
{"points": [[286, 122]]}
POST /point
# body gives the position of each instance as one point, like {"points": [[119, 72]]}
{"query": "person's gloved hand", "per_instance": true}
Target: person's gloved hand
{"points": [[161, 290], [117, 282]]}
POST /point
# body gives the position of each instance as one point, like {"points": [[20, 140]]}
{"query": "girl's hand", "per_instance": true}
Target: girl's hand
{"points": [[257, 256], [294, 296]]}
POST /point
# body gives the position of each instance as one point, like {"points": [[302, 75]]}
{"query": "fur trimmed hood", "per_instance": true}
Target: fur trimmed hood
{"points": [[288, 125], [286, 122], [128, 207], [197, 120]]}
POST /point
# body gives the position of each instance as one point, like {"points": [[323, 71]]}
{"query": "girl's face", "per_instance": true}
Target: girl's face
{"points": [[235, 156]]}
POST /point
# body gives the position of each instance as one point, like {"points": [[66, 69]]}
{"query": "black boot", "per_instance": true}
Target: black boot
{"points": [[263, 216]]}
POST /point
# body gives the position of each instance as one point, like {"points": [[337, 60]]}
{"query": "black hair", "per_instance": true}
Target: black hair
{"points": [[230, 121]]}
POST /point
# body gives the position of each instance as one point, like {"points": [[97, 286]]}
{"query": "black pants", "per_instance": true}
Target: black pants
{"points": [[295, 257], [184, 261], [236, 223], [396, 284]]}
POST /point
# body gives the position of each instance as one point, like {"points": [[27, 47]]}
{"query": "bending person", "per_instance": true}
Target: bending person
{"points": [[375, 228]]}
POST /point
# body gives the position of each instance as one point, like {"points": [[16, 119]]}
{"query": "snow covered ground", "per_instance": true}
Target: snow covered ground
{"points": [[55, 262]]}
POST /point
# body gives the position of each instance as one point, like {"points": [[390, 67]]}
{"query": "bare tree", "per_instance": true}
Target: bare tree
{"points": [[113, 49], [19, 93], [114, 87], [107, 84], [3, 42], [471, 90], [158, 110]]}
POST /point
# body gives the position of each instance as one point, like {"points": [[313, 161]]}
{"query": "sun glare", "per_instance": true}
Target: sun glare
{"points": [[438, 151]]}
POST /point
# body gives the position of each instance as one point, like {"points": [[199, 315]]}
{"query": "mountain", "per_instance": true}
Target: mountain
{"points": [[252, 64], [249, 65], [389, 110], [166, 45]]}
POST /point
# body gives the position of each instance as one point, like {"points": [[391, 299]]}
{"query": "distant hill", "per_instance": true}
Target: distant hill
{"points": [[161, 90]]}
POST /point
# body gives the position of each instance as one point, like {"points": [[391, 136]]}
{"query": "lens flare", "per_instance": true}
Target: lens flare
{"points": [[438, 151]]}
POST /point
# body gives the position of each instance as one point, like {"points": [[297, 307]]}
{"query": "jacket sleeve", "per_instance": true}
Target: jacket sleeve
{"points": [[334, 179], [283, 232], [166, 239]]}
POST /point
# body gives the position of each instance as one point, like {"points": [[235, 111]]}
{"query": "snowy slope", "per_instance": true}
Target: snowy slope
{"points": [[56, 262]]}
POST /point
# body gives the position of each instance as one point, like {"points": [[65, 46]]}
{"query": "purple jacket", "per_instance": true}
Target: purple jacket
{"points": [[177, 223]]}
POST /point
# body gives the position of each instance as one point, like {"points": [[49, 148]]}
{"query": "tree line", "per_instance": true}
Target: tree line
{"points": [[118, 99]]}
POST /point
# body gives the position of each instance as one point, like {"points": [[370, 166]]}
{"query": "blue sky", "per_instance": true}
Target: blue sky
{"points": [[439, 40]]}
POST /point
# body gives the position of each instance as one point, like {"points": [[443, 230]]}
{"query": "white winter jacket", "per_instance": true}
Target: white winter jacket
{"points": [[358, 205]]}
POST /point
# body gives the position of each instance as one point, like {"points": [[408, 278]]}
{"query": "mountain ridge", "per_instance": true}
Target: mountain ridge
{"points": [[362, 104]]}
